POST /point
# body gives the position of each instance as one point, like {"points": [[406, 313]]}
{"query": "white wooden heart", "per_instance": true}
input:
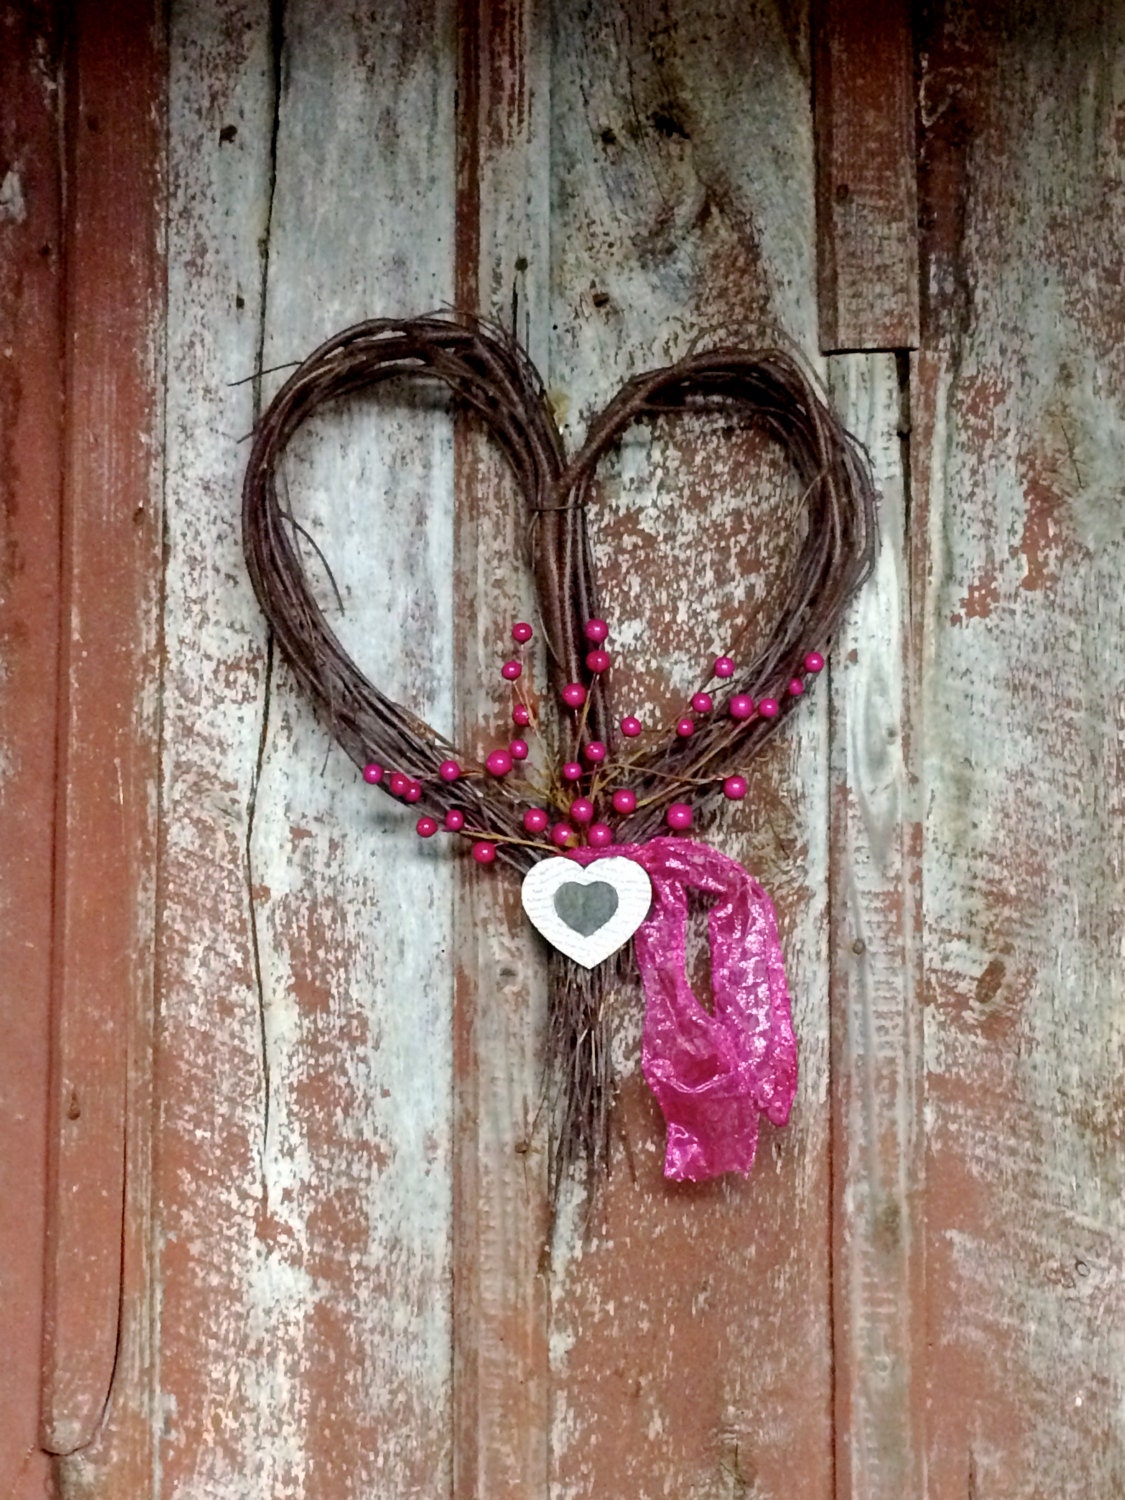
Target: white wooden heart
{"points": [[587, 912]]}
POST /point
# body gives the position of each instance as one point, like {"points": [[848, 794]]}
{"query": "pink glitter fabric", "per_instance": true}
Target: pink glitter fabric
{"points": [[712, 1074]]}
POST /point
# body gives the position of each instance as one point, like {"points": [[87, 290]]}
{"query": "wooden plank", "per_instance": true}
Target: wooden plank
{"points": [[500, 1221], [867, 201], [691, 1336], [1019, 424], [877, 1147], [31, 406], [105, 828], [307, 980], [213, 1299]]}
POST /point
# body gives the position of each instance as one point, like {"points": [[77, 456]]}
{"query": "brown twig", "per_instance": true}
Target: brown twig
{"points": [[490, 376]]}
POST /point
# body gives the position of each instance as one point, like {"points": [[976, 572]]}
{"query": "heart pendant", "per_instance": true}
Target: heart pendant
{"points": [[587, 913]]}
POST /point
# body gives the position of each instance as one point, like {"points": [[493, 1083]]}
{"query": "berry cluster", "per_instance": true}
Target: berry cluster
{"points": [[581, 796]]}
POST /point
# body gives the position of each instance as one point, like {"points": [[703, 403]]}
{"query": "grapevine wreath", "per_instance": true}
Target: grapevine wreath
{"points": [[601, 835]]}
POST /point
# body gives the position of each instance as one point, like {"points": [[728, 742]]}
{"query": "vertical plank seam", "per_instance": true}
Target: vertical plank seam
{"points": [[153, 1223], [70, 82], [464, 1432], [466, 268], [277, 44], [910, 877], [835, 1021], [128, 637], [913, 906], [915, 526], [30, 251]]}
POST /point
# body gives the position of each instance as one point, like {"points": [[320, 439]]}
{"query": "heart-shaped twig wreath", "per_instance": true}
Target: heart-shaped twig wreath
{"points": [[715, 1071]]}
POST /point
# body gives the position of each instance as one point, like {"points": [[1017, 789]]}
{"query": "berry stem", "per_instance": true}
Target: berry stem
{"points": [[628, 766], [504, 838], [580, 728], [532, 722]]}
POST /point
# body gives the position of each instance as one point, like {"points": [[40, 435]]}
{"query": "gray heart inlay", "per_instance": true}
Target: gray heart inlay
{"points": [[585, 908]]}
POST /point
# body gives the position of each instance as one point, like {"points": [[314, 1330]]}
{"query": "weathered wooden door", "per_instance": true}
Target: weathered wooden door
{"points": [[296, 1211]]}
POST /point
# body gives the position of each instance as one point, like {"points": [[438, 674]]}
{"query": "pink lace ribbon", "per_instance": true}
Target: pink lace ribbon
{"points": [[712, 1074]]}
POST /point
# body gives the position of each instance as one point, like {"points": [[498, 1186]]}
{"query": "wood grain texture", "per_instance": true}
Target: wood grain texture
{"points": [[867, 199], [1020, 628], [213, 1328], [500, 1219], [690, 1332], [352, 1292], [31, 408], [305, 1078], [877, 1143], [105, 831]]}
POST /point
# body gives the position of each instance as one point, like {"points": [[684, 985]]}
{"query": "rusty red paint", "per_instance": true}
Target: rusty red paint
{"points": [[691, 1311], [980, 597], [1042, 543], [105, 828], [1023, 1124], [499, 1218], [726, 1338], [31, 409], [867, 215]]}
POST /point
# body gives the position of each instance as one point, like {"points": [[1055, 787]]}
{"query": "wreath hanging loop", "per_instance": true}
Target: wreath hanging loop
{"points": [[492, 379]]}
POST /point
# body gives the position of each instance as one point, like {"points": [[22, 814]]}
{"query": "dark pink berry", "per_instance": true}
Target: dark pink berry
{"points": [[572, 771], [398, 783], [499, 763], [741, 706], [535, 820], [483, 852], [631, 726], [724, 667], [518, 749], [426, 826], [678, 816], [597, 661], [511, 670], [596, 630], [702, 703], [454, 820], [574, 695], [685, 727], [522, 632], [598, 835], [582, 810], [449, 770], [595, 752], [814, 662], [624, 800], [796, 687], [373, 773], [521, 715], [413, 792], [563, 835], [768, 708], [734, 787]]}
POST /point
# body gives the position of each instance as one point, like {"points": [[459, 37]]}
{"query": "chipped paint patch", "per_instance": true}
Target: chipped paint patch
{"points": [[12, 205]]}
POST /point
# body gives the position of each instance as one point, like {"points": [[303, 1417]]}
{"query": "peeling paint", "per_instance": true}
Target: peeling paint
{"points": [[1021, 411], [12, 205], [354, 1293]]}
